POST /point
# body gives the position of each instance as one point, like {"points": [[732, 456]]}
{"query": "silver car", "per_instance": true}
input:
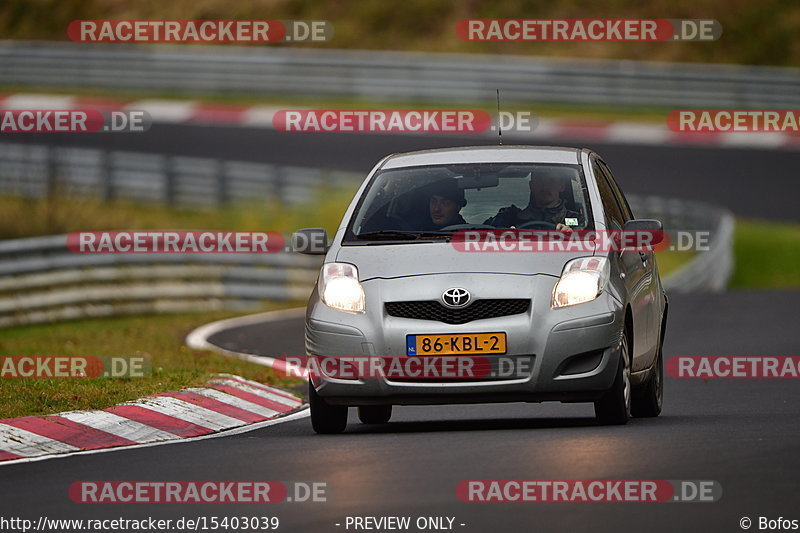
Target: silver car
{"points": [[572, 324]]}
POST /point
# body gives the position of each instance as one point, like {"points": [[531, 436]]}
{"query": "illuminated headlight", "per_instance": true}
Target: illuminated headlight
{"points": [[581, 281], [339, 287]]}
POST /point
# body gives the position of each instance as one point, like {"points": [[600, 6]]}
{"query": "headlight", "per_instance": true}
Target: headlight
{"points": [[581, 281], [339, 287]]}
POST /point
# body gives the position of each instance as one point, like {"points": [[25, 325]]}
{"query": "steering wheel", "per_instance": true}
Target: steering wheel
{"points": [[537, 224]]}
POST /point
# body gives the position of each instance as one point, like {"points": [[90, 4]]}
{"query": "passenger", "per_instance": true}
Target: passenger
{"points": [[445, 201]]}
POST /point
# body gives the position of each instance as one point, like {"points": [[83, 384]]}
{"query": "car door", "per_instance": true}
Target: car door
{"points": [[632, 266], [654, 307]]}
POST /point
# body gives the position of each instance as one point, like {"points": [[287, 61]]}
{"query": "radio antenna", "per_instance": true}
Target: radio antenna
{"points": [[499, 120]]}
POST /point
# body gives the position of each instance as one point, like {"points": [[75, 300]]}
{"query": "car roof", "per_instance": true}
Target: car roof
{"points": [[485, 154]]}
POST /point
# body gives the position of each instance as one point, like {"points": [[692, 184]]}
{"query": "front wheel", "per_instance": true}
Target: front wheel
{"points": [[647, 401], [326, 418], [614, 408]]}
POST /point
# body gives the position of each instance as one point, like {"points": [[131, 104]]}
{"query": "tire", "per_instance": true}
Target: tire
{"points": [[374, 414], [614, 408], [326, 418], [648, 399]]}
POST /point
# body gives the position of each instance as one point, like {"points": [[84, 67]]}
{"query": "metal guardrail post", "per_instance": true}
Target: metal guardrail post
{"points": [[107, 176], [223, 187], [170, 179], [279, 183], [51, 185]]}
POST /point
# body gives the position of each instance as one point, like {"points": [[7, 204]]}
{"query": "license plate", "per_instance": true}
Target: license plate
{"points": [[460, 344]]}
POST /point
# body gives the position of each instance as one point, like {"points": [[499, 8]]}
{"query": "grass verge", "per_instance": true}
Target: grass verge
{"points": [[669, 261], [174, 366], [767, 255]]}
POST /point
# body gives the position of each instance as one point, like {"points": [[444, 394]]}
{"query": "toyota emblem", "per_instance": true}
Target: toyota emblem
{"points": [[456, 297]]}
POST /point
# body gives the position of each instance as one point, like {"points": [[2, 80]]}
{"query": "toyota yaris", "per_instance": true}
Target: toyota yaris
{"points": [[399, 280]]}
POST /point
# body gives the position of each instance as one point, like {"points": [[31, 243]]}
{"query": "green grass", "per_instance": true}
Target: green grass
{"points": [[767, 255], [669, 261], [174, 366]]}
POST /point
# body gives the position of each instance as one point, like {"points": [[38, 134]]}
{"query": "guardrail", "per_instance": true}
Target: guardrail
{"points": [[395, 76], [42, 281], [36, 170], [708, 270]]}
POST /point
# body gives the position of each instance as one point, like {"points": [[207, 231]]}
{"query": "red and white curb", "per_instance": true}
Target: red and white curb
{"points": [[227, 404], [549, 130]]}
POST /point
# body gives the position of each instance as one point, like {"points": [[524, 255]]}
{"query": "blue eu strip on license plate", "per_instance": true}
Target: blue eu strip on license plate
{"points": [[411, 344]]}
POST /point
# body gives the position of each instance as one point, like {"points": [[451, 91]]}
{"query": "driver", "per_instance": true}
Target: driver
{"points": [[445, 201], [545, 205]]}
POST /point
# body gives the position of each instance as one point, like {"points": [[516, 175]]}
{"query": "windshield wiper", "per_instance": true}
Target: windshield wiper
{"points": [[402, 235]]}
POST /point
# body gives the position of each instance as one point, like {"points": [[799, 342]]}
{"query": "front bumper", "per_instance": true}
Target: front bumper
{"points": [[571, 354]]}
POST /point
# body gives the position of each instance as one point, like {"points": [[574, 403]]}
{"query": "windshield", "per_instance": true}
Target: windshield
{"points": [[437, 200]]}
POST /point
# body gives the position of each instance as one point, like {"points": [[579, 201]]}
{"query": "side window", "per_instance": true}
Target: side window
{"points": [[623, 202], [612, 210]]}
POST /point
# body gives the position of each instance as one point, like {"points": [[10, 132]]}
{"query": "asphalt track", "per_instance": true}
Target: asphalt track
{"points": [[740, 433], [758, 183]]}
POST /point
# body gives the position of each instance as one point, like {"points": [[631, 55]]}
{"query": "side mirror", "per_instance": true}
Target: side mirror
{"points": [[634, 230], [643, 224], [310, 241]]}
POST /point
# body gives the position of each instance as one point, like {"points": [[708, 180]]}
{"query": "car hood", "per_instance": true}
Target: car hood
{"points": [[399, 260]]}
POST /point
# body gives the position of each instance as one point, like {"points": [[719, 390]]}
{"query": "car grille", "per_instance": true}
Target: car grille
{"points": [[434, 310]]}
